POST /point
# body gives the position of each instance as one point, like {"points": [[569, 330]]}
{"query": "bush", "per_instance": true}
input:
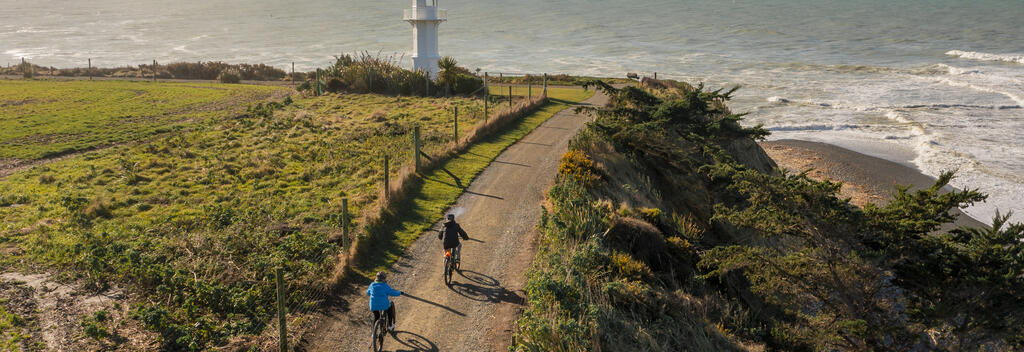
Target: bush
{"points": [[335, 85], [230, 76], [98, 208], [367, 73], [95, 325], [46, 179], [577, 165], [26, 70]]}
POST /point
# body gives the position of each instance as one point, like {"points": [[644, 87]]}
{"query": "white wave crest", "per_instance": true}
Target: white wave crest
{"points": [[974, 55]]}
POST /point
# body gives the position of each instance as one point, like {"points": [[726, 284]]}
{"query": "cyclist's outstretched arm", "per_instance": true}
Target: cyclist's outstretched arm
{"points": [[463, 233]]}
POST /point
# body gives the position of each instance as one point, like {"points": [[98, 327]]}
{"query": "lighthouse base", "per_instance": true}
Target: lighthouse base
{"points": [[427, 63]]}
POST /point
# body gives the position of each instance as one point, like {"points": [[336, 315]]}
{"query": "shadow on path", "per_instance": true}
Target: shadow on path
{"points": [[483, 195], [540, 144], [433, 303], [458, 182], [413, 342], [483, 288], [510, 163]]}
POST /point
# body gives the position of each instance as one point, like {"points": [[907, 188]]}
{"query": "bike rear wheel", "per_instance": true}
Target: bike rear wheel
{"points": [[379, 331], [448, 264]]}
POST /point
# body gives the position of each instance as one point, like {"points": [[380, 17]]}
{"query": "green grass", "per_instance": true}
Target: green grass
{"points": [[557, 80], [563, 94], [11, 330], [48, 118], [438, 190]]}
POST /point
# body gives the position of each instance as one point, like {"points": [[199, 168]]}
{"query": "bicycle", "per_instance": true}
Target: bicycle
{"points": [[449, 266], [380, 330]]}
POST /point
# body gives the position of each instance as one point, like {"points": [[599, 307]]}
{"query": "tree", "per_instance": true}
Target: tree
{"points": [[449, 72]]}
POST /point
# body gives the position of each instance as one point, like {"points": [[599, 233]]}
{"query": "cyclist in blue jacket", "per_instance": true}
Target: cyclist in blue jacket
{"points": [[379, 291]]}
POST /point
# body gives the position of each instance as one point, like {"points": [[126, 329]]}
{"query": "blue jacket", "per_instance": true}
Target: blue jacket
{"points": [[379, 292]]}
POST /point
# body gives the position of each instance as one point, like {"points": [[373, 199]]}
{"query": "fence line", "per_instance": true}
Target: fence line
{"points": [[305, 301]]}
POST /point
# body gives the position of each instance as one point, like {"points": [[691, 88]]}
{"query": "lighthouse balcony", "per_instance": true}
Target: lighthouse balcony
{"points": [[425, 14]]}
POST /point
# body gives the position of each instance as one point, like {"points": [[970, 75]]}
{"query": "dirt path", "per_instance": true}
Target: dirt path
{"points": [[500, 211]]}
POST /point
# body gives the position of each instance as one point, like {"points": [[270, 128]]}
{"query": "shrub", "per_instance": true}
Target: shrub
{"points": [[466, 84], [98, 208], [230, 76], [26, 70], [46, 179], [577, 165], [367, 73], [335, 85], [95, 325]]}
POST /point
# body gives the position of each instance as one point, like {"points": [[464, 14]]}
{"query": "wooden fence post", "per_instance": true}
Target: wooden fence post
{"points": [[456, 132], [545, 85], [387, 179], [154, 70], [510, 96], [293, 73], [487, 95], [90, 68], [344, 222], [416, 147], [283, 329]]}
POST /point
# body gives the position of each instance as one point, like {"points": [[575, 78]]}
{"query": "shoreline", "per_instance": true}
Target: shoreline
{"points": [[865, 178]]}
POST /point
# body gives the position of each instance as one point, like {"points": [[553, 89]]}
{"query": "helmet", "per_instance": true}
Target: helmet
{"points": [[381, 276], [451, 217]]}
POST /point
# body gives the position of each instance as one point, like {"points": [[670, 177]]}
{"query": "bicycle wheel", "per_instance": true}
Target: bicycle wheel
{"points": [[379, 329], [448, 264]]}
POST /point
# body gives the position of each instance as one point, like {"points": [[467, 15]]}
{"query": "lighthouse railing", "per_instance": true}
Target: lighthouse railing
{"points": [[425, 14]]}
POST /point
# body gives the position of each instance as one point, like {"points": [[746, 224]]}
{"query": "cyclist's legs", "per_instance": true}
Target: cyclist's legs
{"points": [[391, 314], [458, 253], [376, 315]]}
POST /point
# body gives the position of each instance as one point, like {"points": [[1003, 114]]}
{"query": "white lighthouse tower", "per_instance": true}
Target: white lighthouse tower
{"points": [[425, 18]]}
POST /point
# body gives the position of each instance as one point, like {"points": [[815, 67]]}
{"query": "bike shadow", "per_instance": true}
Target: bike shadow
{"points": [[483, 288], [413, 342], [424, 300]]}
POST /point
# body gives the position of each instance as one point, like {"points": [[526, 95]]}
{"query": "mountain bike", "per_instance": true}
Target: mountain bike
{"points": [[380, 330], [449, 266]]}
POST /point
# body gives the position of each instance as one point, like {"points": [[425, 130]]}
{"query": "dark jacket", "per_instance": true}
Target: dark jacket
{"points": [[451, 233]]}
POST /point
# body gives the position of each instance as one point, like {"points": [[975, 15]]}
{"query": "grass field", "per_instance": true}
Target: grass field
{"points": [[194, 222], [556, 94], [48, 118]]}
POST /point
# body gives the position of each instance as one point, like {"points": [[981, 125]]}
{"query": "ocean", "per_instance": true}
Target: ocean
{"points": [[938, 85]]}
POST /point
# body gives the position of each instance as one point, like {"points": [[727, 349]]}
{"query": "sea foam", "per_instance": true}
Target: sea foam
{"points": [[974, 55]]}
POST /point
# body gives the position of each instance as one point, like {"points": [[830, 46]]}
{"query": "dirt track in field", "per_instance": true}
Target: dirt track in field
{"points": [[500, 211]]}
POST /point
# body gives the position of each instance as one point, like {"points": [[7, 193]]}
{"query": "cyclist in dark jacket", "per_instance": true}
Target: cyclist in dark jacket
{"points": [[450, 234]]}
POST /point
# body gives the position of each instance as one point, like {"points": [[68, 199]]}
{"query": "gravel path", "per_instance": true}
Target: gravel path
{"points": [[500, 211]]}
